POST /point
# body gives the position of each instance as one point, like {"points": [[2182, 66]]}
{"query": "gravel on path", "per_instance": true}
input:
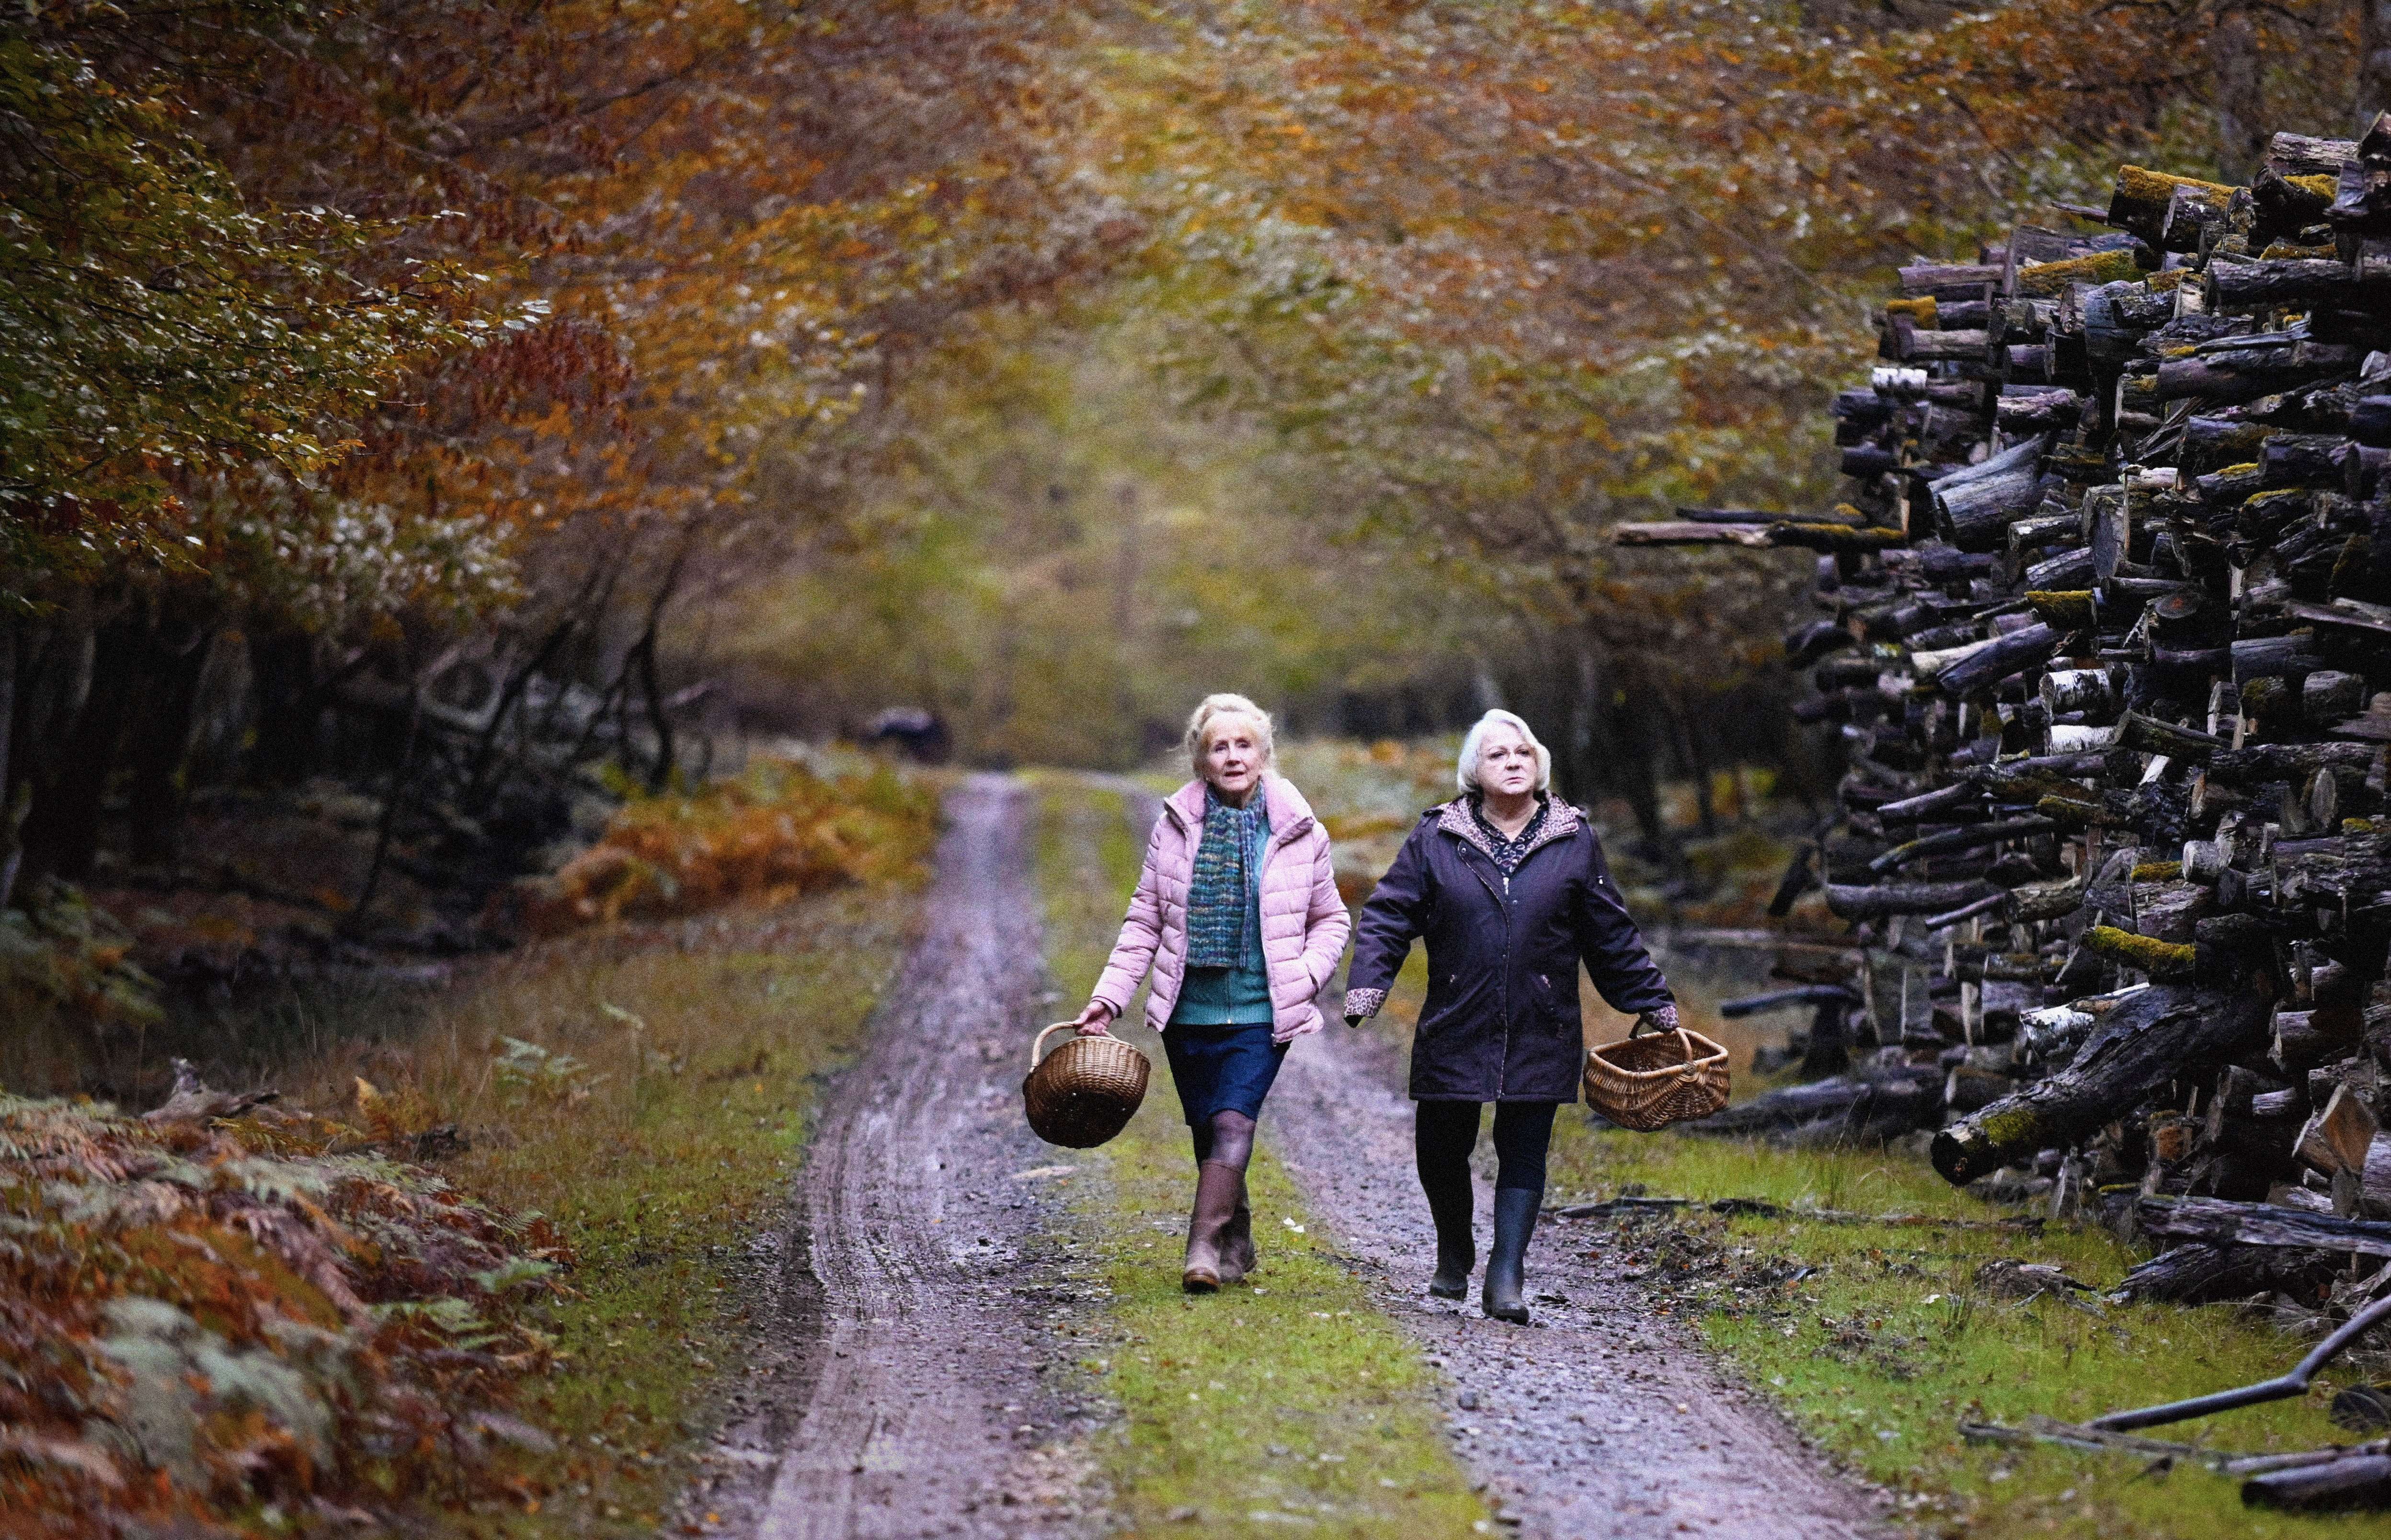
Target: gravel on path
{"points": [[1599, 1418], [907, 1307]]}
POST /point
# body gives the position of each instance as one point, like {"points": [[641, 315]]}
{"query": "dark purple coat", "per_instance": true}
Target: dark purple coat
{"points": [[1501, 1022]]}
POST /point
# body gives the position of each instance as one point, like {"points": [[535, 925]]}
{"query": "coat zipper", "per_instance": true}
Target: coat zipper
{"points": [[1503, 980]]}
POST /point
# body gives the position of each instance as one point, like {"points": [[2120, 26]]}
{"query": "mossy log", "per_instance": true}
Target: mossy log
{"points": [[2140, 202], [2161, 959], [2149, 1039], [2044, 279], [2152, 736]]}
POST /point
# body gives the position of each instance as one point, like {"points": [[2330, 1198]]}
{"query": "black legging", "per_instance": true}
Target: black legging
{"points": [[1447, 1133]]}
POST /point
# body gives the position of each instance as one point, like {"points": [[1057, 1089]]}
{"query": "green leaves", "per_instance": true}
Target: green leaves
{"points": [[154, 327]]}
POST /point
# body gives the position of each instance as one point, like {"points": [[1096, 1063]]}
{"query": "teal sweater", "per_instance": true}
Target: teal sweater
{"points": [[1218, 997]]}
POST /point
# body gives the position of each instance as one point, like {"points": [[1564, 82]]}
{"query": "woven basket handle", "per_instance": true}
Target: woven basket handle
{"points": [[1038, 1046], [1693, 1063]]}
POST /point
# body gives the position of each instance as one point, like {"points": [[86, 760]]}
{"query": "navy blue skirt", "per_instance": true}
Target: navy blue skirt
{"points": [[1224, 1069]]}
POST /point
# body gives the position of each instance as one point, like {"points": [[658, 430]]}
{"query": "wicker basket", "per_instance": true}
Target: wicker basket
{"points": [[1649, 1082], [1085, 1092]]}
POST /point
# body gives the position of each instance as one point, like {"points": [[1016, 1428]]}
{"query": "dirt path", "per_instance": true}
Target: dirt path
{"points": [[898, 1390], [1596, 1420]]}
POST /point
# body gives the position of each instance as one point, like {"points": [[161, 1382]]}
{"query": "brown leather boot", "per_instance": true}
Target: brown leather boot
{"points": [[1217, 1186], [1238, 1239]]}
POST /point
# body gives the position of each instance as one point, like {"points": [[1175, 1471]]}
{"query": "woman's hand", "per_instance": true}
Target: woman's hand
{"points": [[1092, 1021]]}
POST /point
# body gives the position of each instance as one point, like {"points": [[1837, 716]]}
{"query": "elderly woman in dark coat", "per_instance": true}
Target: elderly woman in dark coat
{"points": [[1507, 886]]}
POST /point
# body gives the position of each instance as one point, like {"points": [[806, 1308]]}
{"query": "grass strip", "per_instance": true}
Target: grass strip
{"points": [[1289, 1400], [650, 1090], [1891, 1339]]}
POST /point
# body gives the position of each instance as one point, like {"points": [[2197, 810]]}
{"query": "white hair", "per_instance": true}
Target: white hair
{"points": [[1214, 707], [1475, 742]]}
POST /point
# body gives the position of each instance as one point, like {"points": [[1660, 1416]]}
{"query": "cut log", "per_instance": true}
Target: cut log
{"points": [[2216, 1221], [2300, 155], [2141, 201], [1851, 901], [2027, 647], [2285, 281], [2149, 1039], [1973, 507], [2292, 657]]}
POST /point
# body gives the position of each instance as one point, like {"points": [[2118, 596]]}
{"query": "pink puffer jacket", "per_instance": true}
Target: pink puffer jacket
{"points": [[1304, 922]]}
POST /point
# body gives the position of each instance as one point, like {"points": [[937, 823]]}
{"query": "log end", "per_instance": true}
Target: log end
{"points": [[1980, 1145]]}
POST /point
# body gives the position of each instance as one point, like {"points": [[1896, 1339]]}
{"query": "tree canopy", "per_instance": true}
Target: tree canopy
{"points": [[355, 333]]}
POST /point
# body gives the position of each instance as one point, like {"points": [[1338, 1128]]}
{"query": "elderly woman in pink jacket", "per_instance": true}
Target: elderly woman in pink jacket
{"points": [[1237, 916]]}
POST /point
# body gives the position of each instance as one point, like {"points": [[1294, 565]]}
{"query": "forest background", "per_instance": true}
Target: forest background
{"points": [[452, 395]]}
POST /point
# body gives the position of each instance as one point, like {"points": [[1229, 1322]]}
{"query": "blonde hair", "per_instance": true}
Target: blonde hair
{"points": [[1475, 742], [1199, 727]]}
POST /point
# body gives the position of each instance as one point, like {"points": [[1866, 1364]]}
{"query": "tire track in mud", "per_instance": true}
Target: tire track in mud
{"points": [[897, 1391]]}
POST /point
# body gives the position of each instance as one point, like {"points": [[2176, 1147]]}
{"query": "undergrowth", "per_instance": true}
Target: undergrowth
{"points": [[1288, 1402], [292, 1322], [773, 833], [213, 1326], [1890, 1339]]}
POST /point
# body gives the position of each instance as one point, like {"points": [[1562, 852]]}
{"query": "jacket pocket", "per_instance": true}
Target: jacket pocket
{"points": [[1558, 1013]]}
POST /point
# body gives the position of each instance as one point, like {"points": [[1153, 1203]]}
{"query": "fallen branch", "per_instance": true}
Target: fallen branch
{"points": [[2078, 1435], [2281, 1388], [1761, 1207]]}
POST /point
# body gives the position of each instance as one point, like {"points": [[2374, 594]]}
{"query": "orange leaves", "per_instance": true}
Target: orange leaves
{"points": [[190, 1323], [773, 833]]}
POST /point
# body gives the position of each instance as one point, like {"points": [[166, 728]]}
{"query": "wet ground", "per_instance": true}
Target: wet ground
{"points": [[910, 1380], [916, 1285], [1598, 1419]]}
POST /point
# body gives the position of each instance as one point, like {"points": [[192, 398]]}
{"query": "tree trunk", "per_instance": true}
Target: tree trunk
{"points": [[2241, 105], [160, 744], [62, 829], [2373, 60], [12, 809], [283, 664], [1696, 765]]}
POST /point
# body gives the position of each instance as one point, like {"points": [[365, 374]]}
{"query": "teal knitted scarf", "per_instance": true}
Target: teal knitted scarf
{"points": [[1224, 876]]}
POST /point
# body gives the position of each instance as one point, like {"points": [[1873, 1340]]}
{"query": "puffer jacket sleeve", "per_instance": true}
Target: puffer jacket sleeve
{"points": [[1141, 932], [1395, 917], [1326, 924], [1623, 971]]}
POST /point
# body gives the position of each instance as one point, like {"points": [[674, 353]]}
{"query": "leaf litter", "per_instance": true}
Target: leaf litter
{"points": [[254, 1323]]}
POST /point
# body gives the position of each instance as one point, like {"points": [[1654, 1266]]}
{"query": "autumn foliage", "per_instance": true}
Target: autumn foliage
{"points": [[208, 1316], [773, 833]]}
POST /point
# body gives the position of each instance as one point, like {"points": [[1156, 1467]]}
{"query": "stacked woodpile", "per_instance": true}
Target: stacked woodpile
{"points": [[2106, 630]]}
